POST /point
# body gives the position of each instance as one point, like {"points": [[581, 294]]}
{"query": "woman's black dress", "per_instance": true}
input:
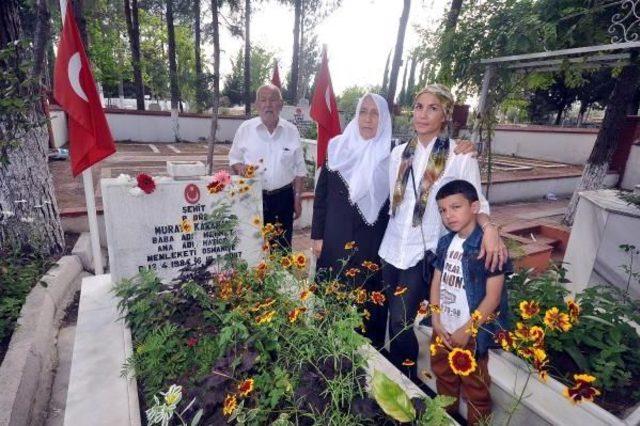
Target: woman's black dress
{"points": [[336, 221]]}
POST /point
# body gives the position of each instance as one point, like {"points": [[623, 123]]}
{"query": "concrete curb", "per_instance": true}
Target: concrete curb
{"points": [[26, 374]]}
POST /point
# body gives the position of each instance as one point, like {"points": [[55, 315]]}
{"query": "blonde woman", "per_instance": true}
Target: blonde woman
{"points": [[417, 170]]}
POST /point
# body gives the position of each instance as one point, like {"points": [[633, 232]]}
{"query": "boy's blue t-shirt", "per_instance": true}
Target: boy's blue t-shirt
{"points": [[475, 276]]}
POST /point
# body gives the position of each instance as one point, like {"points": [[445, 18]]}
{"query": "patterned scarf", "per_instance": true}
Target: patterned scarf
{"points": [[435, 167]]}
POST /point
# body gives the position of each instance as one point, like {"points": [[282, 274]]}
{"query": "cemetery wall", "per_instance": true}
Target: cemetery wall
{"points": [[632, 171]]}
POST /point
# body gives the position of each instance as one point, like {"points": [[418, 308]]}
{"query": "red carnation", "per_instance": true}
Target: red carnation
{"points": [[146, 183]]}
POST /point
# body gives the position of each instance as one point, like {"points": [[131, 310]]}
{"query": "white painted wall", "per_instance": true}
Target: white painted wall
{"points": [[632, 171], [565, 147]]}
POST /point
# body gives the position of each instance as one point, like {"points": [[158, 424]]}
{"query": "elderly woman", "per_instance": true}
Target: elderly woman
{"points": [[417, 170], [348, 211]]}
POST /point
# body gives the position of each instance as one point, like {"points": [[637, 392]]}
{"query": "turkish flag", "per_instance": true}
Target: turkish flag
{"points": [[75, 90], [324, 110], [275, 79]]}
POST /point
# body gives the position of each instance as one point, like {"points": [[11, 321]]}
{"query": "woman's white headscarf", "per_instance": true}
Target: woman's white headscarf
{"points": [[364, 164]]}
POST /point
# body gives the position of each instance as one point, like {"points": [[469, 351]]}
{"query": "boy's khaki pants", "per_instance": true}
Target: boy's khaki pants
{"points": [[474, 387]]}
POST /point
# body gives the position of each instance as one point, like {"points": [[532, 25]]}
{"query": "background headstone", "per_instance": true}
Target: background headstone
{"points": [[167, 229]]}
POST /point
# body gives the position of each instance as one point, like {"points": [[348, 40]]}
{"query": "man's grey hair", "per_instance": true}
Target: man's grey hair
{"points": [[270, 87]]}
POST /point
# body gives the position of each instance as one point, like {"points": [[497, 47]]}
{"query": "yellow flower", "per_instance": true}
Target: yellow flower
{"points": [[266, 317], [256, 221], [529, 309], [300, 260], [352, 272], [400, 290], [556, 320], [476, 316], [366, 314], [435, 309], [373, 267], [462, 362], [536, 334], [574, 310], [250, 171], [582, 390], [294, 314], [173, 395], [286, 262], [437, 344], [350, 245], [245, 387], [360, 296], [304, 294], [229, 405]]}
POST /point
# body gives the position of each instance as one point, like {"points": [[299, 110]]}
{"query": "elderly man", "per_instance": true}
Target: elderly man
{"points": [[272, 144]]}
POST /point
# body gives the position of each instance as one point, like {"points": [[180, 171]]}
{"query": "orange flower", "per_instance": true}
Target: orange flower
{"points": [[462, 362], [408, 363], [226, 290], [360, 296], [582, 390], [304, 294], [313, 288], [424, 308], [266, 317], [333, 287], [400, 290], [378, 298], [526, 352], [437, 344], [300, 260], [229, 405], [504, 338], [435, 309], [574, 310], [293, 315], [350, 245], [256, 221], [352, 272], [186, 226], [245, 387], [522, 331], [249, 171], [529, 309], [536, 334], [286, 262], [556, 320], [215, 186], [373, 267]]}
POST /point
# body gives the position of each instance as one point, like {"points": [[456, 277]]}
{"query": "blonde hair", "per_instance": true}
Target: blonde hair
{"points": [[443, 93]]}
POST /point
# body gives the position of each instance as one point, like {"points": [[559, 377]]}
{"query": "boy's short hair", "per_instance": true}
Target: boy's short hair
{"points": [[459, 186]]}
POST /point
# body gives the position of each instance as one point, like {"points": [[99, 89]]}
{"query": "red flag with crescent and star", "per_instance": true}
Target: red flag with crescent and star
{"points": [[90, 139], [324, 110]]}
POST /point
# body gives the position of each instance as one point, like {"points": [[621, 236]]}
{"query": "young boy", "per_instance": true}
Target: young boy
{"points": [[461, 285]]}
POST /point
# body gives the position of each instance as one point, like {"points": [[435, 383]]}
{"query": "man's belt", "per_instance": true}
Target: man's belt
{"points": [[279, 190]]}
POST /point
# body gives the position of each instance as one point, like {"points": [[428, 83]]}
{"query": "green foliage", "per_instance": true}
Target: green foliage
{"points": [[393, 400], [348, 99], [602, 342], [20, 271], [261, 67], [19, 96]]}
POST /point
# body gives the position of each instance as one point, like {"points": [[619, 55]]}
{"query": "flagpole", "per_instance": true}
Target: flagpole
{"points": [[89, 196]]}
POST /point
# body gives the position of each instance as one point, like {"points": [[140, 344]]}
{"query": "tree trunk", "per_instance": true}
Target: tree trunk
{"points": [[452, 16], [28, 208], [583, 110], [42, 36], [295, 59], [133, 29], [78, 11], [201, 95], [607, 141], [397, 55], [385, 77], [247, 58], [216, 85], [403, 90], [558, 120], [411, 85], [173, 75]]}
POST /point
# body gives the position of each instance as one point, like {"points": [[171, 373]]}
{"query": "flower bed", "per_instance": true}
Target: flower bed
{"points": [[258, 345]]}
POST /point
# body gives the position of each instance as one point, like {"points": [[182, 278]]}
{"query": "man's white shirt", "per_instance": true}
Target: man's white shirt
{"points": [[278, 155], [402, 244]]}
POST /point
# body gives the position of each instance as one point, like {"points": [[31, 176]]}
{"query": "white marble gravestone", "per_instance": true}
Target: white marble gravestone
{"points": [[168, 229]]}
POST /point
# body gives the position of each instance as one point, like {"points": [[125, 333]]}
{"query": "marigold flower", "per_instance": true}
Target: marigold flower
{"points": [[265, 318], [294, 314], [400, 290], [408, 363], [536, 334], [250, 171], [215, 186], [504, 339], [146, 183], [371, 266], [556, 320], [300, 260], [360, 296], [186, 226], [352, 272], [582, 390], [529, 309], [350, 245], [476, 316], [366, 314], [435, 309], [313, 288], [433, 347], [229, 405], [256, 221], [286, 262], [304, 294], [424, 308], [245, 387], [462, 362], [378, 298], [522, 331], [574, 310], [472, 329]]}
